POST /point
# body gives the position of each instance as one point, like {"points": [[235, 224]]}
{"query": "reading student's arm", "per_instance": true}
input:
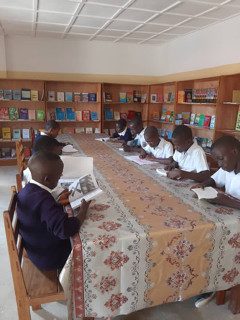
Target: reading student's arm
{"points": [[196, 176], [207, 183], [83, 210], [225, 200], [143, 154], [166, 161], [171, 166]]}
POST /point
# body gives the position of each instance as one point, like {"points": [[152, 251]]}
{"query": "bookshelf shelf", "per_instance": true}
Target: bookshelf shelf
{"points": [[74, 102], [232, 103], [229, 132], [198, 103], [165, 122], [73, 121], [124, 103], [199, 128], [16, 101], [8, 161], [14, 141], [22, 120]]}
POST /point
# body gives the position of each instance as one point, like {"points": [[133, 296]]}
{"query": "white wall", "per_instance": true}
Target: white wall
{"points": [[213, 46], [3, 66]]}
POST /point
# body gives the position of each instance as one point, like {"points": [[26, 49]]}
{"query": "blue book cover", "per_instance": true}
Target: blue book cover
{"points": [[123, 97], [68, 96], [60, 114], [170, 134], [23, 114], [94, 115], [108, 114], [17, 94], [70, 114], [92, 97], [7, 94]]}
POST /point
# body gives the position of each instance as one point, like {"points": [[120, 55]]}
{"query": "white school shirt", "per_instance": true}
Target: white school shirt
{"points": [[141, 140], [163, 150], [230, 180], [193, 160]]}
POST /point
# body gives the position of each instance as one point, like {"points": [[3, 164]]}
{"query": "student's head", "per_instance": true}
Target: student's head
{"points": [[121, 125], [52, 128], [46, 168], [151, 136], [136, 125], [47, 144], [182, 138], [226, 151]]}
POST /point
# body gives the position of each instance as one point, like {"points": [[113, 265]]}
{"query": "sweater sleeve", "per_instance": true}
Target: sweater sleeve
{"points": [[57, 221], [128, 135]]}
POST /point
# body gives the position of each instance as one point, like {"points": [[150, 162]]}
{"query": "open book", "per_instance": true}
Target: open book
{"points": [[162, 172], [139, 161], [206, 193], [84, 187]]}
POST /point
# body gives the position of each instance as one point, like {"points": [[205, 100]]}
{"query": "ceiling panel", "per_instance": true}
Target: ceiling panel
{"points": [[98, 10], [119, 3], [235, 3], [153, 5], [77, 36], [222, 13], [14, 15], [190, 8], [104, 38], [168, 19], [112, 33], [58, 6], [23, 4], [83, 30], [153, 28], [139, 35], [90, 22], [51, 27], [181, 30], [54, 18], [122, 25], [129, 40], [135, 15], [198, 22]]}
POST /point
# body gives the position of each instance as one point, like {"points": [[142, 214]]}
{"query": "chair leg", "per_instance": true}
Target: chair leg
{"points": [[220, 297], [36, 307], [23, 310]]}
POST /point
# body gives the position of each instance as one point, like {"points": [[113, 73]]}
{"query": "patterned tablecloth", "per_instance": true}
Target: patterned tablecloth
{"points": [[146, 241]]}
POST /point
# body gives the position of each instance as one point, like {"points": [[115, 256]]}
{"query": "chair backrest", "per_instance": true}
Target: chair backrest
{"points": [[15, 247], [21, 161], [32, 136], [19, 179]]}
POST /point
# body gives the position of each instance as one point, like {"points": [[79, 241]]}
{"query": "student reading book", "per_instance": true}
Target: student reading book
{"points": [[122, 133], [137, 131], [158, 150]]}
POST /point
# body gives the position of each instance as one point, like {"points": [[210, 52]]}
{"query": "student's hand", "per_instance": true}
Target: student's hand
{"points": [[169, 167], [198, 186], [143, 154], [222, 198], [126, 148], [63, 198], [68, 143], [83, 210], [175, 174], [149, 157]]}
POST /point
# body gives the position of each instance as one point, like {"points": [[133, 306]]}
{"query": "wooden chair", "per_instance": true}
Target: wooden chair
{"points": [[21, 161], [33, 136], [19, 178], [27, 279]]}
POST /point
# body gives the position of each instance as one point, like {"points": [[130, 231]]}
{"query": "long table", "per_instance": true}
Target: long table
{"points": [[146, 240]]}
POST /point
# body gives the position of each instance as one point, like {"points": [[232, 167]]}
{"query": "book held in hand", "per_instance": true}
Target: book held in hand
{"points": [[162, 172]]}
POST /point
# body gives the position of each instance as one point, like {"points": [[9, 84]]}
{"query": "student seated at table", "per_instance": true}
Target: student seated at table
{"points": [[123, 133], [43, 224], [189, 159], [43, 143], [226, 151], [157, 148], [51, 129], [137, 131]]}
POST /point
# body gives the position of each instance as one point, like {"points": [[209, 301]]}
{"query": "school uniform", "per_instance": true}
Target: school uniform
{"points": [[141, 142], [45, 227], [163, 150], [41, 133], [125, 135], [229, 180], [193, 160]]}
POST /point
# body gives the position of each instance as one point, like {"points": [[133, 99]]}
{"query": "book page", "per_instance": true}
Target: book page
{"points": [[69, 148], [75, 167], [139, 161], [162, 172], [206, 193], [102, 139]]}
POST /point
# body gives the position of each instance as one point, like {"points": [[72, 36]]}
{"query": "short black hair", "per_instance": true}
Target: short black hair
{"points": [[226, 141], [51, 124], [42, 157], [182, 131], [122, 123], [151, 132], [45, 143], [136, 120]]}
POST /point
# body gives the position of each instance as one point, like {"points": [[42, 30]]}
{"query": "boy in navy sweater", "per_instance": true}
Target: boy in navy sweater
{"points": [[44, 226], [123, 133]]}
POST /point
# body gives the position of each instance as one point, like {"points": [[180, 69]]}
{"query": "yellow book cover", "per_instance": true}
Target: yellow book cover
{"points": [[34, 95], [236, 96], [6, 133], [156, 115], [181, 96]]}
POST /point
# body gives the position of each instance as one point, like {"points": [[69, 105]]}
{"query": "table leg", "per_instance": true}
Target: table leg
{"points": [[220, 297], [234, 301]]}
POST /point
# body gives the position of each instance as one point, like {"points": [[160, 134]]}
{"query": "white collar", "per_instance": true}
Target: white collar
{"points": [[40, 185], [123, 132], [43, 133]]}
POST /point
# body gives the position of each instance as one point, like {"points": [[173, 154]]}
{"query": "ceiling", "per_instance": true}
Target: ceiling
{"points": [[132, 21]]}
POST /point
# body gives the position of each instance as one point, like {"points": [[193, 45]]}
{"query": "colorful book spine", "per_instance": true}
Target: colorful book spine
{"points": [[23, 114], [94, 116], [70, 114]]}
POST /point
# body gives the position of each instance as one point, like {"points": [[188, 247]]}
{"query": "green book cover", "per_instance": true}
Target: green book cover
{"points": [[238, 121], [40, 115], [13, 114], [201, 120]]}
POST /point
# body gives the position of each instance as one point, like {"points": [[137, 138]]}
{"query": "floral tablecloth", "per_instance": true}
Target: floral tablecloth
{"points": [[146, 241]]}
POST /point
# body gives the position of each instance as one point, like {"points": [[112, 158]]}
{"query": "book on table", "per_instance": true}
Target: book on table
{"points": [[206, 193]]}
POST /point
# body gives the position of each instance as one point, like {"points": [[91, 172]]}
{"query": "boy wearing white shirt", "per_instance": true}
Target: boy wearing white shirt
{"points": [[137, 131], [189, 159], [157, 149]]}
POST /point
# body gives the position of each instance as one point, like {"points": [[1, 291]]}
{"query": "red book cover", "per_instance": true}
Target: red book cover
{"points": [[131, 114], [27, 152], [207, 121], [123, 116], [86, 115], [4, 114]]}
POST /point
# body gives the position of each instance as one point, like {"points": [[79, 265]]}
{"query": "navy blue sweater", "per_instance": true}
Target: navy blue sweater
{"points": [[126, 137], [45, 228]]}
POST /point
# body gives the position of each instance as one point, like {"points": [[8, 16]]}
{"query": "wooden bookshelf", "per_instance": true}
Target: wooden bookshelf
{"points": [[7, 84], [80, 87], [123, 107]]}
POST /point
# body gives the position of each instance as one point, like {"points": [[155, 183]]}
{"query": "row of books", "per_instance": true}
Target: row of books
{"points": [[193, 119], [7, 153], [23, 94], [161, 98], [72, 96], [21, 113], [81, 130], [165, 133], [127, 97], [166, 115], [15, 134], [70, 114], [203, 95], [205, 143], [116, 115]]}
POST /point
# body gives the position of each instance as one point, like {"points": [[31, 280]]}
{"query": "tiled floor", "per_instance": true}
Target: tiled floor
{"points": [[57, 311]]}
